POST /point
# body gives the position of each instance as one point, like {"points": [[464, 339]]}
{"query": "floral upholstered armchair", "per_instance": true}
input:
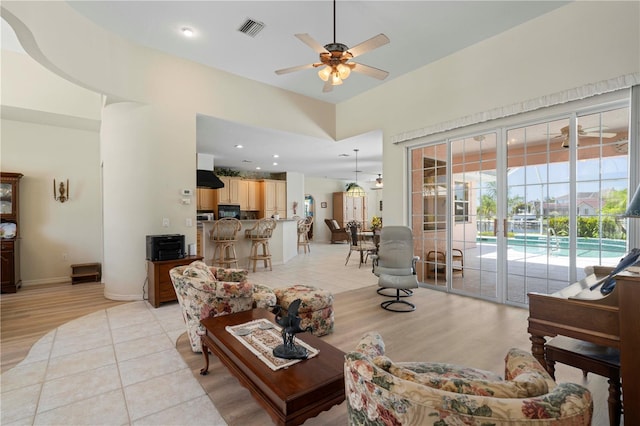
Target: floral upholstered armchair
{"points": [[381, 392], [205, 291]]}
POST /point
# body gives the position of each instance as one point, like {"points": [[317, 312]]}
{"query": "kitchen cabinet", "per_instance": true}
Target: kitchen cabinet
{"points": [[10, 279], [274, 198], [206, 199], [346, 209], [249, 191], [230, 194]]}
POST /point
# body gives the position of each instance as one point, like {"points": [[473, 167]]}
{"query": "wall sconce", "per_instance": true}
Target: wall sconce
{"points": [[62, 194]]}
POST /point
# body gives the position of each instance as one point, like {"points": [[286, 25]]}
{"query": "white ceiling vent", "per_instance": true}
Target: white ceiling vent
{"points": [[251, 27]]}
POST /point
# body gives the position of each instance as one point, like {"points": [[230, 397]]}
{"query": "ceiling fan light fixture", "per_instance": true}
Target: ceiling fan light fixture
{"points": [[325, 73], [344, 71], [335, 78], [379, 183]]}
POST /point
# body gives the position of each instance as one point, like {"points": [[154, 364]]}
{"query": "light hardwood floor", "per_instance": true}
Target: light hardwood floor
{"points": [[33, 311]]}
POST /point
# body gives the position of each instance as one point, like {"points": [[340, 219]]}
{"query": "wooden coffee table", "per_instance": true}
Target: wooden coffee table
{"points": [[289, 395]]}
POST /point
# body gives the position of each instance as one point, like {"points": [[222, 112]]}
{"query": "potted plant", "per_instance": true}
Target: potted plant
{"points": [[376, 224]]}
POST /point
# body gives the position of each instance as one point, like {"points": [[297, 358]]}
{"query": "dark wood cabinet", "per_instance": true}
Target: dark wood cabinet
{"points": [[10, 266], [160, 285], [9, 217]]}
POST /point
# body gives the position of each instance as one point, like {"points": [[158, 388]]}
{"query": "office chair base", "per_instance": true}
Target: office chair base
{"points": [[406, 291], [387, 305]]}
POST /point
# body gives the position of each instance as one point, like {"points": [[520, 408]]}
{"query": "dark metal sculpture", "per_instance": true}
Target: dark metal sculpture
{"points": [[290, 327]]}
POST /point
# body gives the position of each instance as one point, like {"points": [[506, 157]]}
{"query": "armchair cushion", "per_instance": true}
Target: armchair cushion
{"points": [[200, 270], [465, 380], [231, 274], [377, 396]]}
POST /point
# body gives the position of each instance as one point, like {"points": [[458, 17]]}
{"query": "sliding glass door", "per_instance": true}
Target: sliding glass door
{"points": [[521, 209]]}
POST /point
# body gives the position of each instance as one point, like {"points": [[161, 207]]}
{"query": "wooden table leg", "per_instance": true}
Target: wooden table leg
{"points": [[537, 350], [205, 353]]}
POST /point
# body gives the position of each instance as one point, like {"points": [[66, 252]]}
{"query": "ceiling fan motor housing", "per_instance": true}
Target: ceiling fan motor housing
{"points": [[337, 54]]}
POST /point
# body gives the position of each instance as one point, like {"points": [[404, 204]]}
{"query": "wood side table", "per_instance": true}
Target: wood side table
{"points": [[160, 285]]}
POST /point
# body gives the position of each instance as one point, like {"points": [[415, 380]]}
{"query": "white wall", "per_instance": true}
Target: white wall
{"points": [[48, 228], [295, 192], [34, 87]]}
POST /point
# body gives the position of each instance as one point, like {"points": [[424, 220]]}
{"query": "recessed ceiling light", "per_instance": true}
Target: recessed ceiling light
{"points": [[258, 168], [239, 146], [187, 32], [275, 164], [276, 156]]}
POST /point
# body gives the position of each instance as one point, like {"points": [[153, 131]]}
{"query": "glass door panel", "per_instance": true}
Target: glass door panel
{"points": [[601, 188], [472, 257], [537, 191], [429, 212]]}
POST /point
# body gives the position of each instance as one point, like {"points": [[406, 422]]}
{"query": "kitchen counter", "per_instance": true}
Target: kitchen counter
{"points": [[283, 243]]}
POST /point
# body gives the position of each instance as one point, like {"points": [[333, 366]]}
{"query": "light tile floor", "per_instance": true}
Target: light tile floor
{"points": [[120, 366]]}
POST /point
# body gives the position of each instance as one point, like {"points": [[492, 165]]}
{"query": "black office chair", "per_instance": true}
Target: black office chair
{"points": [[395, 266]]}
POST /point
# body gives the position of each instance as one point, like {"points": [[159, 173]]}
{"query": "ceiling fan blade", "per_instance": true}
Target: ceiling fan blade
{"points": [[309, 41], [294, 69], [370, 71], [328, 87], [372, 43]]}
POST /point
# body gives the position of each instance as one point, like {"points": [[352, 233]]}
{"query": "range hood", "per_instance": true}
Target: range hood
{"points": [[208, 179], [205, 178]]}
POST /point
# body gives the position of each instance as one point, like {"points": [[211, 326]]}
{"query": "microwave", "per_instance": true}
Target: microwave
{"points": [[228, 210], [205, 216]]}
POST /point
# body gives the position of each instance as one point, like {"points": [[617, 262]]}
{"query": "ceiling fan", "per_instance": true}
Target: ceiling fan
{"points": [[379, 182], [335, 57], [591, 132]]}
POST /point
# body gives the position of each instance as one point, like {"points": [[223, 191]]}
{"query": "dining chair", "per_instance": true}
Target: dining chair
{"points": [[359, 243]]}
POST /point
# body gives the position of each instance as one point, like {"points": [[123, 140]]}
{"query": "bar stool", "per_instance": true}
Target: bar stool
{"points": [[224, 236], [304, 225], [590, 358], [260, 235]]}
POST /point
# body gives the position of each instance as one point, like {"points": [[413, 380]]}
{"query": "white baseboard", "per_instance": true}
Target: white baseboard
{"points": [[123, 297]]}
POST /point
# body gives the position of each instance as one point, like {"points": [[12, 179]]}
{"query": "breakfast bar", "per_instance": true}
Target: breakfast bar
{"points": [[283, 243]]}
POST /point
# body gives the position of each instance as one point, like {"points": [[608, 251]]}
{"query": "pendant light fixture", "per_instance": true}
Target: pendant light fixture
{"points": [[353, 189]]}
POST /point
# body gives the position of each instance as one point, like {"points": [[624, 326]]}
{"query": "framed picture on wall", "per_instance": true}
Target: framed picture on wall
{"points": [[323, 204]]}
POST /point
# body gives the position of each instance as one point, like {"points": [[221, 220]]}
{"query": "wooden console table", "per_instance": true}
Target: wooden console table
{"points": [[160, 285]]}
